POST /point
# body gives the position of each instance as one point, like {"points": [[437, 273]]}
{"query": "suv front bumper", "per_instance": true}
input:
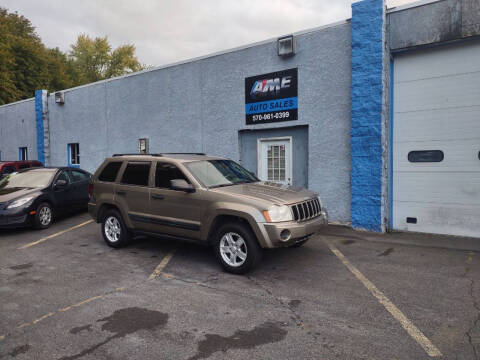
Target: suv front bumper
{"points": [[288, 233]]}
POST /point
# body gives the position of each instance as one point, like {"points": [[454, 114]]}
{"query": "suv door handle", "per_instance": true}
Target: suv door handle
{"points": [[121, 193], [158, 197]]}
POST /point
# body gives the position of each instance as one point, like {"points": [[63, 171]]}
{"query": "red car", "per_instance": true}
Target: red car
{"points": [[8, 167]]}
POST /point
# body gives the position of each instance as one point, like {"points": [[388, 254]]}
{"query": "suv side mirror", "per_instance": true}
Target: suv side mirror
{"points": [[181, 185], [60, 184]]}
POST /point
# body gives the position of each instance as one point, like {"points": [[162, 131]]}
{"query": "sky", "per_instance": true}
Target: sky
{"points": [[166, 31]]}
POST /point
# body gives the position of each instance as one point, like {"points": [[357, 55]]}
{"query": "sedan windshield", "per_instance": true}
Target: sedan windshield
{"points": [[217, 173], [27, 179]]}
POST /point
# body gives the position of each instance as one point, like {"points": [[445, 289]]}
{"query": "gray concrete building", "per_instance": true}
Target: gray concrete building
{"points": [[378, 113]]}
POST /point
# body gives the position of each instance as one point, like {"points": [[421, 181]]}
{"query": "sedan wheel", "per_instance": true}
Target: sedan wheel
{"points": [[43, 216]]}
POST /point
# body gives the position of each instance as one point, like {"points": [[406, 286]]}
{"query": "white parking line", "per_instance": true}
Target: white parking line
{"points": [[54, 235], [411, 329], [158, 270]]}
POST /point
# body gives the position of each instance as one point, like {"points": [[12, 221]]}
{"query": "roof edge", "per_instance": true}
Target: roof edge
{"points": [[412, 5], [214, 54]]}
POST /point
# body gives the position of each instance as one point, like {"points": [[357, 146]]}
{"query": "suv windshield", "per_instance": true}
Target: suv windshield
{"points": [[28, 179], [217, 173]]}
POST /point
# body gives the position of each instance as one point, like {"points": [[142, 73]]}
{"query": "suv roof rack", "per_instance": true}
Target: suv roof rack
{"points": [[131, 154], [183, 153], [162, 154]]}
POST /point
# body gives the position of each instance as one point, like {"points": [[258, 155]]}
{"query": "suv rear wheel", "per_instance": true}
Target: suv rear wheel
{"points": [[114, 230], [237, 248]]}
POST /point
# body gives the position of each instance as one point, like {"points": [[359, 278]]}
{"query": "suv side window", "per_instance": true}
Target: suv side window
{"points": [[136, 173], [166, 172], [109, 173], [24, 166]]}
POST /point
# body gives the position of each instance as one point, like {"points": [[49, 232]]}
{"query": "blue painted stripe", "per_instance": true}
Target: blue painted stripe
{"points": [[390, 139], [272, 105], [39, 126], [366, 114]]}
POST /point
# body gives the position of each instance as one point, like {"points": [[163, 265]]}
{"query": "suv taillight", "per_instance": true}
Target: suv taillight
{"points": [[90, 190]]}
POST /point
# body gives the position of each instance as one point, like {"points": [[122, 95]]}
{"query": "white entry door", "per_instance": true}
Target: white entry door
{"points": [[275, 160]]}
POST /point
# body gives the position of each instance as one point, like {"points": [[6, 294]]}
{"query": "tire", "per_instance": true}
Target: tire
{"points": [[239, 235], [43, 216], [114, 231], [300, 243]]}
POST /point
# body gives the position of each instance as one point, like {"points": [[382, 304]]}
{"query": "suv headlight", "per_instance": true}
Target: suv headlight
{"points": [[278, 213], [320, 200], [19, 202]]}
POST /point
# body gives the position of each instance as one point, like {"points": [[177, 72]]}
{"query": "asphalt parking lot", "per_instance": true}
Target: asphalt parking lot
{"points": [[65, 295]]}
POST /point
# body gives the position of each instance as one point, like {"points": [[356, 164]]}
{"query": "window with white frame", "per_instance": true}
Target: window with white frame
{"points": [[276, 162], [74, 154], [23, 153]]}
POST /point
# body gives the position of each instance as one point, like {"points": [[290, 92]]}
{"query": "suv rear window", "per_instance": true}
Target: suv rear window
{"points": [[136, 174], [109, 173]]}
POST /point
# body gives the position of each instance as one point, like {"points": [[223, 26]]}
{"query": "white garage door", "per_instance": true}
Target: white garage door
{"points": [[436, 141]]}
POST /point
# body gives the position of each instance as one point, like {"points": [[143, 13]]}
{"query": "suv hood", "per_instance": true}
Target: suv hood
{"points": [[268, 191], [8, 194]]}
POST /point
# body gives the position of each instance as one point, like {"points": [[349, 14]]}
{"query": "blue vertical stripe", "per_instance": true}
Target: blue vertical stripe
{"points": [[390, 140], [39, 125], [366, 114]]}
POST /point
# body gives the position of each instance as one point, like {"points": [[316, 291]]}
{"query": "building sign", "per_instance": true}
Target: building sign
{"points": [[271, 97]]}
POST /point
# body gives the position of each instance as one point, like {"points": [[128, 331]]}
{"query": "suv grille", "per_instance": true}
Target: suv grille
{"points": [[306, 210]]}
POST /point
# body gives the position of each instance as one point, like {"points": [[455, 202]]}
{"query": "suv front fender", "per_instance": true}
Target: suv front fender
{"points": [[250, 214]]}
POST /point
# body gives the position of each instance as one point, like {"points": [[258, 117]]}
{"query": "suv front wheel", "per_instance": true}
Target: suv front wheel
{"points": [[114, 230], [237, 248]]}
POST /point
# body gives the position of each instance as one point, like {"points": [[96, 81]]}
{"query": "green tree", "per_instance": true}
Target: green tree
{"points": [[22, 58], [94, 59], [26, 64]]}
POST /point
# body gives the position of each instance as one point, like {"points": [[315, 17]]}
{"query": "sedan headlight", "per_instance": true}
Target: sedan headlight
{"points": [[278, 213], [19, 202]]}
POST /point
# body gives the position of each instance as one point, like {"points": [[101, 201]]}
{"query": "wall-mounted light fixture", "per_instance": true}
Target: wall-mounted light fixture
{"points": [[143, 146], [286, 46], [60, 97]]}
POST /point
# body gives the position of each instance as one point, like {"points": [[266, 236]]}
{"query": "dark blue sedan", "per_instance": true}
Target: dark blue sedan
{"points": [[35, 196]]}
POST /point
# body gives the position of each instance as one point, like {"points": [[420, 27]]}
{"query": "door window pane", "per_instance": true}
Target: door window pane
{"points": [[276, 162], [78, 176], [63, 176], [136, 174], [166, 172]]}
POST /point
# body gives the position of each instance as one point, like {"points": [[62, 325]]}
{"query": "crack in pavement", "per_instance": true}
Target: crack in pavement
{"points": [[288, 306], [476, 306]]}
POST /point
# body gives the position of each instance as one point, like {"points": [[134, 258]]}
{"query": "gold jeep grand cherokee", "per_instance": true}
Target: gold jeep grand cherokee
{"points": [[206, 199]]}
